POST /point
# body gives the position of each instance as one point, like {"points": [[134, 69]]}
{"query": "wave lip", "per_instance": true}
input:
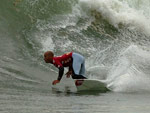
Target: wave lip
{"points": [[120, 13]]}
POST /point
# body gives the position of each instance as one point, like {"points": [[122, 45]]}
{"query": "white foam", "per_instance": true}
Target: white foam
{"points": [[46, 41], [48, 44], [131, 71], [100, 72], [120, 12]]}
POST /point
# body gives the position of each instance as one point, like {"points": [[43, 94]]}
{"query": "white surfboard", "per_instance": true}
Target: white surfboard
{"points": [[90, 85]]}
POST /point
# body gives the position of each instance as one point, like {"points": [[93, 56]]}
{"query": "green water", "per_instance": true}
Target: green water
{"points": [[112, 35]]}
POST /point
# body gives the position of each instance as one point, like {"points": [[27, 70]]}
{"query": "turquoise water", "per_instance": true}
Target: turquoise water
{"points": [[113, 35]]}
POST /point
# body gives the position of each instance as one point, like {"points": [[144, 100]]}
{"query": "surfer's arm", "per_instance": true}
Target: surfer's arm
{"points": [[70, 68], [69, 72], [61, 72]]}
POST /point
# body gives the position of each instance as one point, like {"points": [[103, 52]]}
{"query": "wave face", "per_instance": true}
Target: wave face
{"points": [[113, 35]]}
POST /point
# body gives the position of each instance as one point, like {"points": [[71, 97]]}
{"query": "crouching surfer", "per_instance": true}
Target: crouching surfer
{"points": [[74, 61]]}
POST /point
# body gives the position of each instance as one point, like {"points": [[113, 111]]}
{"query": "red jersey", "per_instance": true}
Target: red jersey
{"points": [[63, 61]]}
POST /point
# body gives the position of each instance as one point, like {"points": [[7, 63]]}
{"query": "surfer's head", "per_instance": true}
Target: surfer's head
{"points": [[48, 56]]}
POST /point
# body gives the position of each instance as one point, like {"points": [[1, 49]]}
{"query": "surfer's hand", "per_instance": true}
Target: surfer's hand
{"points": [[55, 82], [68, 74]]}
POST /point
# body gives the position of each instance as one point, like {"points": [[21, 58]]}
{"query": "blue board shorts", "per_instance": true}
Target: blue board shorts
{"points": [[78, 64]]}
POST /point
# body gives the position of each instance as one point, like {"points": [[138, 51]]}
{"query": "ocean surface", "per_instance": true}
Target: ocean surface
{"points": [[113, 35]]}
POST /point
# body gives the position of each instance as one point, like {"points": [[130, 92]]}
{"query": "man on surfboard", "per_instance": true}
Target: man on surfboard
{"points": [[74, 61]]}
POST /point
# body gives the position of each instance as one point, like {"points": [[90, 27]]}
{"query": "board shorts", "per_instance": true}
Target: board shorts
{"points": [[78, 66]]}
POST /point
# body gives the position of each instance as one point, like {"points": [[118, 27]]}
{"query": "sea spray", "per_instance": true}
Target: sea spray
{"points": [[131, 72]]}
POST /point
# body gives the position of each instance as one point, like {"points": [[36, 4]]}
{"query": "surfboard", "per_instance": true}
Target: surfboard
{"points": [[90, 85]]}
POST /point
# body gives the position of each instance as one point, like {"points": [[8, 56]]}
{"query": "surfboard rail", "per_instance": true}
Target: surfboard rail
{"points": [[90, 85]]}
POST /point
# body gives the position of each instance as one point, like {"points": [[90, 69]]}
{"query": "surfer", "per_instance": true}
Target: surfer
{"points": [[74, 61]]}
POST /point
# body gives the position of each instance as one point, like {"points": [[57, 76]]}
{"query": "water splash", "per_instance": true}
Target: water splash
{"points": [[131, 72]]}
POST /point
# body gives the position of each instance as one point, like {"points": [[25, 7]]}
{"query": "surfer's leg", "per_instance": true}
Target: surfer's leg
{"points": [[82, 70], [78, 66], [77, 62], [78, 77]]}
